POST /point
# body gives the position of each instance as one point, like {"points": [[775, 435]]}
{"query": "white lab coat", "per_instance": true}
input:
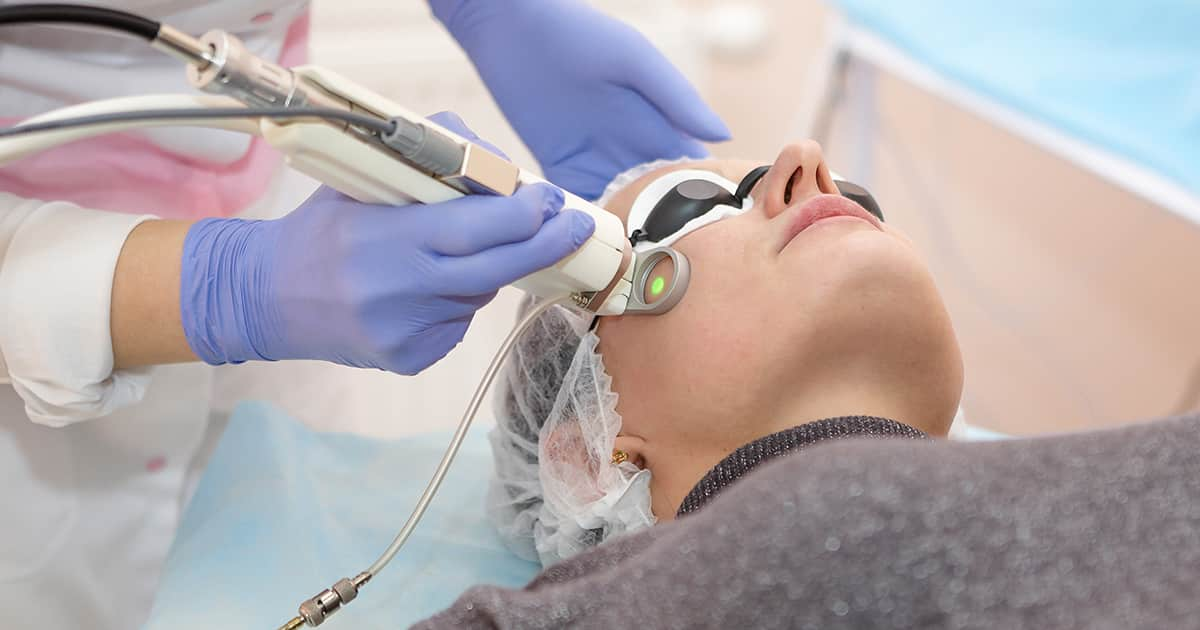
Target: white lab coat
{"points": [[95, 464]]}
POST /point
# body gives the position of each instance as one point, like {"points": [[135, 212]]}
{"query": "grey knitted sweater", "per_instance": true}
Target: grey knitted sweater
{"points": [[1098, 531]]}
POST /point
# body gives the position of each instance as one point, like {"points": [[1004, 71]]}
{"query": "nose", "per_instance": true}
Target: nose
{"points": [[799, 173]]}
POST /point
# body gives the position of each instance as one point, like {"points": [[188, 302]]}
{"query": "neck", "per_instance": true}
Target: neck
{"points": [[676, 469]]}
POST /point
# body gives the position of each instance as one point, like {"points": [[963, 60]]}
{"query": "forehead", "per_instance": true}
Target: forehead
{"points": [[733, 170]]}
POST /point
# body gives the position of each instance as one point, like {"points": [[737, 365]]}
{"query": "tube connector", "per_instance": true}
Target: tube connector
{"points": [[314, 611], [229, 68]]}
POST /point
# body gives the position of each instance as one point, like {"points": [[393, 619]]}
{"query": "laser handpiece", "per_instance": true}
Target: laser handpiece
{"points": [[395, 157], [419, 161]]}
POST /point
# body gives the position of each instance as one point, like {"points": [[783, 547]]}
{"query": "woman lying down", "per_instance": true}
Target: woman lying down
{"points": [[792, 331], [694, 469]]}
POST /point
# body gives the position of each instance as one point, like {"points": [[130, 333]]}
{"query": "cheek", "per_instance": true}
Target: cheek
{"points": [[852, 292], [679, 375], [689, 358], [725, 297]]}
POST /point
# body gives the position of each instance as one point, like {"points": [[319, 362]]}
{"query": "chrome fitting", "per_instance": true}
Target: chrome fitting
{"points": [[234, 71], [315, 611]]}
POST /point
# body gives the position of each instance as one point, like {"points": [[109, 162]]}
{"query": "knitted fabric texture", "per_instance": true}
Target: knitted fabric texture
{"points": [[746, 458]]}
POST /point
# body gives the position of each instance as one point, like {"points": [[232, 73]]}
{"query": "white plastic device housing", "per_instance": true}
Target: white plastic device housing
{"points": [[370, 174]]}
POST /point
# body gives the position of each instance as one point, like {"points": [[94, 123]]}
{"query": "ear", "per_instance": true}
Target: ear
{"points": [[633, 447]]}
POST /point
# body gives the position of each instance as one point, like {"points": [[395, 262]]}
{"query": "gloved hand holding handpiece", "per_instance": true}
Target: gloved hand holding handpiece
{"points": [[385, 287], [396, 288]]}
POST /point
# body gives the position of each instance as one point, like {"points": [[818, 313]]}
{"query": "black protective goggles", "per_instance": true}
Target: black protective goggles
{"points": [[695, 197]]}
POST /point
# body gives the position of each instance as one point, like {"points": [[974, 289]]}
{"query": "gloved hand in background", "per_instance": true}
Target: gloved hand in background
{"points": [[589, 95], [386, 287]]}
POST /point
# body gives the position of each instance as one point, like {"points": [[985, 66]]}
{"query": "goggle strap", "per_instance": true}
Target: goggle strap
{"points": [[750, 181]]}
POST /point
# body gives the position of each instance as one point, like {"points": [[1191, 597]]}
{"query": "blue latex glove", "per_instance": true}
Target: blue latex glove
{"points": [[392, 288], [588, 94]]}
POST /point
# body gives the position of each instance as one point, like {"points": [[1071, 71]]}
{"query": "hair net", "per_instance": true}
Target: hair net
{"points": [[555, 491]]}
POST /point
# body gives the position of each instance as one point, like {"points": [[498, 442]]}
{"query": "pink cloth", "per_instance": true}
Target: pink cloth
{"points": [[126, 173]]}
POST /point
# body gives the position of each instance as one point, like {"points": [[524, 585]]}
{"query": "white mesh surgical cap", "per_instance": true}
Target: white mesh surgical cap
{"points": [[626, 178], [555, 491]]}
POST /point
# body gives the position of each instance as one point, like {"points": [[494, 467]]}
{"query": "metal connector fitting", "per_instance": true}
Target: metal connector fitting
{"points": [[234, 71], [315, 611]]}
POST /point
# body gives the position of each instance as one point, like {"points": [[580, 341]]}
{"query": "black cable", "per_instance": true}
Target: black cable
{"points": [[367, 122], [135, 25]]}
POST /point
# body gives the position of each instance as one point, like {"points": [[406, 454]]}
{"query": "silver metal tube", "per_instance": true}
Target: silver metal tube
{"points": [[443, 466], [182, 46]]}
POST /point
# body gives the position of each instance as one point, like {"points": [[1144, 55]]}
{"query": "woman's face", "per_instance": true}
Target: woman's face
{"points": [[782, 325]]}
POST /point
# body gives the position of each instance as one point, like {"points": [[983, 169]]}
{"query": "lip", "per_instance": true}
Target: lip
{"points": [[824, 207]]}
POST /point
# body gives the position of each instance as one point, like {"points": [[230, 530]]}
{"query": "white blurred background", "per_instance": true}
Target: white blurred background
{"points": [[1075, 301]]}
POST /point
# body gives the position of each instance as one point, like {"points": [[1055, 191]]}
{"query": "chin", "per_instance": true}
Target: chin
{"points": [[879, 309], [862, 264]]}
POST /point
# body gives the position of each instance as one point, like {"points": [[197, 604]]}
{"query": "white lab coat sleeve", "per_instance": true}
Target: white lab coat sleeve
{"points": [[57, 262]]}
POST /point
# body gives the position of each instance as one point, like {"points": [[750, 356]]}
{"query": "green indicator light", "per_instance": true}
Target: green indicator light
{"points": [[657, 286]]}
